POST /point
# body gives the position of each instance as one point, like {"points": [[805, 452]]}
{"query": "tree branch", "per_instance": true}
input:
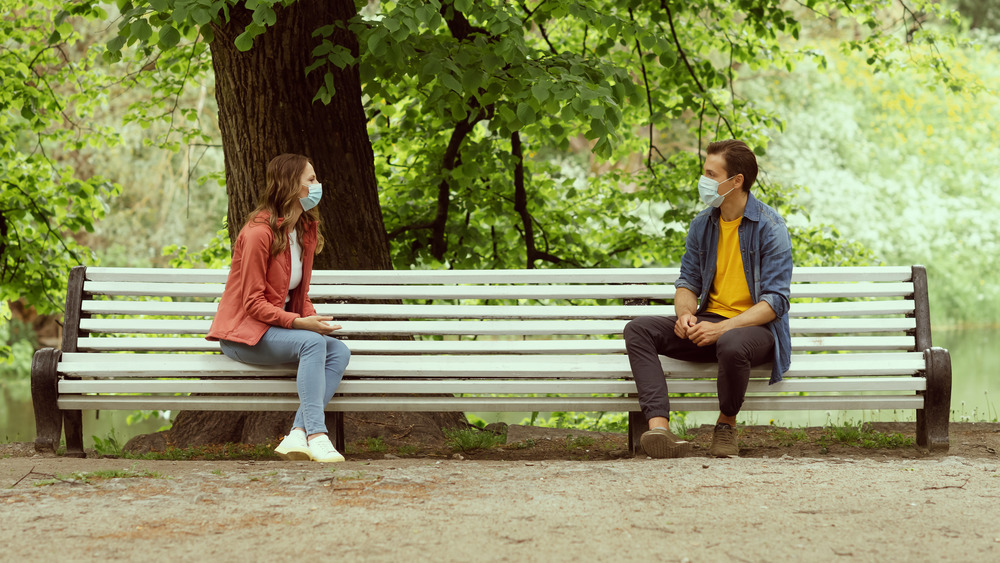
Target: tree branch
{"points": [[687, 64], [649, 100], [521, 207], [458, 24], [439, 240]]}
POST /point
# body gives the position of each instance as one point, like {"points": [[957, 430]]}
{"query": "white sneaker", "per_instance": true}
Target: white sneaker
{"points": [[321, 449], [294, 447]]}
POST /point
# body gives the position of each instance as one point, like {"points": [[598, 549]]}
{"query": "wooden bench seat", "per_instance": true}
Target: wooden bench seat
{"points": [[484, 341]]}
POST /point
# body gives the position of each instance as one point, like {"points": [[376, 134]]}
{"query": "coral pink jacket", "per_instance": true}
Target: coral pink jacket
{"points": [[254, 298]]}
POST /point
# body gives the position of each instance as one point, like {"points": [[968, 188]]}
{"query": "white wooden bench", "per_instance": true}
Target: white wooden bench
{"points": [[483, 341]]}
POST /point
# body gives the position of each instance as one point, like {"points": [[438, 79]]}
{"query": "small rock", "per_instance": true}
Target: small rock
{"points": [[391, 456], [458, 457]]}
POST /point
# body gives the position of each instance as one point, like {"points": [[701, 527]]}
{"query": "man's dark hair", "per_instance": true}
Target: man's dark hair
{"points": [[739, 160]]}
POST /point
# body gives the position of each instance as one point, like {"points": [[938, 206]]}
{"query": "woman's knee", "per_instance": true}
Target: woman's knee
{"points": [[336, 348], [311, 341]]}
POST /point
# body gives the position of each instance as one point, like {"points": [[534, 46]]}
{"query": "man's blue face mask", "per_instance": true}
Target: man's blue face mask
{"points": [[708, 190]]}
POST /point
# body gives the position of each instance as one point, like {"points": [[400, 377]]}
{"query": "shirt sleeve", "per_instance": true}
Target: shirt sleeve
{"points": [[256, 258], [775, 266]]}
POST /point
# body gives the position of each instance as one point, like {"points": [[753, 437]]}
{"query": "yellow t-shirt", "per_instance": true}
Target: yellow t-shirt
{"points": [[729, 295]]}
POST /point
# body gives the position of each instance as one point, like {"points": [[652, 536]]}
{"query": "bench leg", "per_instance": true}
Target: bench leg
{"points": [[636, 426], [44, 396], [73, 423], [339, 440], [932, 420]]}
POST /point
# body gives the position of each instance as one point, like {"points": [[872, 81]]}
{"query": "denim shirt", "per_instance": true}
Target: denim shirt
{"points": [[766, 250]]}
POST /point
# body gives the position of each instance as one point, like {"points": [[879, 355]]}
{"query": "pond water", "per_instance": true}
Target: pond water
{"points": [[975, 356]]}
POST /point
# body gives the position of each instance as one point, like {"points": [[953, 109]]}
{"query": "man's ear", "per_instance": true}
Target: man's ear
{"points": [[738, 180]]}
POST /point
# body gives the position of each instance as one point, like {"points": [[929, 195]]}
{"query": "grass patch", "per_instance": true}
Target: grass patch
{"points": [[227, 451], [375, 445], [578, 442], [862, 435], [469, 440], [788, 437], [91, 476], [109, 446], [407, 450]]}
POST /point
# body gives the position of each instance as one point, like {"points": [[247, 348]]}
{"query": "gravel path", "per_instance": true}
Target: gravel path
{"points": [[692, 509]]}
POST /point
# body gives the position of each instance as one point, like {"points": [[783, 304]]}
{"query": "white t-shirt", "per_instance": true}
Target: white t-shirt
{"points": [[296, 279]]}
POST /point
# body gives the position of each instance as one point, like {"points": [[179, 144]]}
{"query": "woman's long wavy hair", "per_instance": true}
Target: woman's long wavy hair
{"points": [[281, 194]]}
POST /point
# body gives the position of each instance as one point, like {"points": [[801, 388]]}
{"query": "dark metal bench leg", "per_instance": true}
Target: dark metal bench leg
{"points": [[73, 422], [932, 420], [339, 440], [636, 426], [44, 394]]}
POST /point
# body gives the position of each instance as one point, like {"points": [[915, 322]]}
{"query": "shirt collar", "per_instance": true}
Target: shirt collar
{"points": [[751, 211]]}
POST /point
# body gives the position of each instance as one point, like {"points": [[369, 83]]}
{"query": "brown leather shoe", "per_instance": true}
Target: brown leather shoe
{"points": [[661, 443], [724, 441]]}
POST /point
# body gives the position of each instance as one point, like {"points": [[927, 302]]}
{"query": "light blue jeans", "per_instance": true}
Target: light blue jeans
{"points": [[322, 361]]}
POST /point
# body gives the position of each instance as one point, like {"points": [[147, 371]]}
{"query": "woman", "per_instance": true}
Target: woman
{"points": [[265, 316]]}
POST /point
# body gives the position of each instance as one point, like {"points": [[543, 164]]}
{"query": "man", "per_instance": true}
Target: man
{"points": [[731, 302]]}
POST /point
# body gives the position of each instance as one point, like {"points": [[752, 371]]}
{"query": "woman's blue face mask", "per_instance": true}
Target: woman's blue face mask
{"points": [[312, 200]]}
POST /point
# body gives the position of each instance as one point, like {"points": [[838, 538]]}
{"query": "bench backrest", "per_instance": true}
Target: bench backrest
{"points": [[572, 311]]}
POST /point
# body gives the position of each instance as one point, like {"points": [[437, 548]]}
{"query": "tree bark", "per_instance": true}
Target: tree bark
{"points": [[265, 109]]}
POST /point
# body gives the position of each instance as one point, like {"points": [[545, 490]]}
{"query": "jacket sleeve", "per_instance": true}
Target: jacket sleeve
{"points": [[690, 276], [255, 259], [775, 265], [307, 307]]}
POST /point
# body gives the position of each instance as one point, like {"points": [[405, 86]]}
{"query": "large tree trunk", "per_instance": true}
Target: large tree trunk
{"points": [[265, 109]]}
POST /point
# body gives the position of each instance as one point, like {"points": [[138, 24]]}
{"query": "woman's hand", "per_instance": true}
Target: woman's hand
{"points": [[315, 323]]}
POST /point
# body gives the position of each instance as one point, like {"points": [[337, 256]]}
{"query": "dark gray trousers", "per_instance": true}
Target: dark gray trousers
{"points": [[736, 351]]}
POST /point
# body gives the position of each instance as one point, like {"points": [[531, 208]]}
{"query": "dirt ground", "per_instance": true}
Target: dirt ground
{"points": [[552, 495]]}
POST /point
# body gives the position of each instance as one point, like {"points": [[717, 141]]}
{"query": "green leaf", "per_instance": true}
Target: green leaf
{"points": [[540, 91], [116, 43], [451, 82], [525, 114], [471, 79], [201, 16], [169, 37]]}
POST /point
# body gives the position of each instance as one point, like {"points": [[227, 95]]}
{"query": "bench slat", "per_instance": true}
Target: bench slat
{"points": [[816, 385], [497, 366], [381, 311], [483, 404], [555, 346], [317, 292], [486, 328], [579, 275]]}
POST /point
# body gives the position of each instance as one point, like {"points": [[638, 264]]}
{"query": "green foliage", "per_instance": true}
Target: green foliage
{"points": [[215, 254], [602, 422], [506, 134], [17, 346], [44, 199], [899, 166], [110, 445]]}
